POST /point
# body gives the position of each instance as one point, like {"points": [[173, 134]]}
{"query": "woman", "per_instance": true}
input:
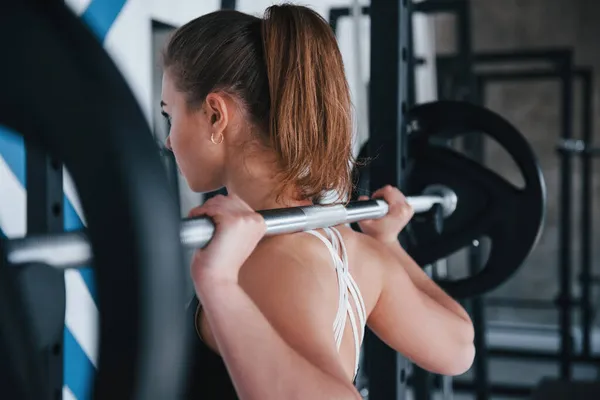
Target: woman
{"points": [[262, 107]]}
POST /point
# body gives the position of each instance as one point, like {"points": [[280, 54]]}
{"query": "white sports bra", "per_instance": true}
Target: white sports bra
{"points": [[348, 290]]}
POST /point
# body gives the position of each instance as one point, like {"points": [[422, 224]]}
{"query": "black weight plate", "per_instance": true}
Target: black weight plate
{"points": [[488, 205], [59, 85]]}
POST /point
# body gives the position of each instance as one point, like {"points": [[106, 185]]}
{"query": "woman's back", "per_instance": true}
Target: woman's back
{"points": [[317, 259]]}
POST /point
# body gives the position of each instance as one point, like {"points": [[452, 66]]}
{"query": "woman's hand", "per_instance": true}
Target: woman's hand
{"points": [[388, 228], [238, 229]]}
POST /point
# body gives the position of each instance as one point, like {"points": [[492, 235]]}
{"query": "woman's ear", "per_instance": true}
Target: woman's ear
{"points": [[218, 112]]}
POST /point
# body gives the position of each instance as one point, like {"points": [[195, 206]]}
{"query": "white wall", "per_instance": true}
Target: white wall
{"points": [[129, 43], [178, 12]]}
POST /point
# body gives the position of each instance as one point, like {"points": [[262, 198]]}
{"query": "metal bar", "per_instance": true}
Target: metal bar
{"points": [[44, 184], [577, 147], [408, 57], [541, 355], [388, 105], [523, 75], [552, 55], [422, 383], [565, 231], [586, 210], [72, 249], [475, 147], [481, 371], [228, 4], [501, 389], [456, 76], [468, 91], [497, 389], [437, 6], [532, 304], [594, 151]]}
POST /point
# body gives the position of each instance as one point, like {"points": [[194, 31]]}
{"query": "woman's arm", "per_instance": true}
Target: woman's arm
{"points": [[285, 349], [413, 315], [425, 283], [415, 324]]}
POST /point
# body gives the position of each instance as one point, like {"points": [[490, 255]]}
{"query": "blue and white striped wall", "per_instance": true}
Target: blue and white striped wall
{"points": [[124, 28], [80, 332]]}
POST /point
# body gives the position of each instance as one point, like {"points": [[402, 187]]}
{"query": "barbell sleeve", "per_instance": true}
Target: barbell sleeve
{"points": [[72, 249]]}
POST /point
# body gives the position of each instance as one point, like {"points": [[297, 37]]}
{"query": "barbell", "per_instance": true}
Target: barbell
{"points": [[72, 249]]}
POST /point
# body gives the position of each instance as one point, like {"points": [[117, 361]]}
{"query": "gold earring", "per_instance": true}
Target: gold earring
{"points": [[221, 138]]}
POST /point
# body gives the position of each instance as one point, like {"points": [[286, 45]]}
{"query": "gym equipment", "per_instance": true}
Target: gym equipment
{"points": [[510, 217], [560, 389], [72, 249], [107, 146]]}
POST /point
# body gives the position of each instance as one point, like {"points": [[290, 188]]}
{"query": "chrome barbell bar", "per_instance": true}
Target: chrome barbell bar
{"points": [[72, 249]]}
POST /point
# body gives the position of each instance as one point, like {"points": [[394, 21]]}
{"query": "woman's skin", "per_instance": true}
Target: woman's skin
{"points": [[269, 303]]}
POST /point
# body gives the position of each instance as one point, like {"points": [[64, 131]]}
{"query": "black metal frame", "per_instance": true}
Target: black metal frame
{"points": [[560, 67], [584, 303], [386, 369], [585, 278], [467, 85], [39, 284], [167, 155], [228, 4], [463, 13]]}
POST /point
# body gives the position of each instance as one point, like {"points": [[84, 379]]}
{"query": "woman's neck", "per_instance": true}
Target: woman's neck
{"points": [[256, 183]]}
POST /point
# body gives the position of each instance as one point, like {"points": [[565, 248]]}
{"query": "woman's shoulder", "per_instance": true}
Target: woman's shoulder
{"points": [[297, 249], [305, 251], [308, 246], [294, 256]]}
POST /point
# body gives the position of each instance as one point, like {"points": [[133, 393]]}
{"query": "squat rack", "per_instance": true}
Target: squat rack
{"points": [[390, 57], [460, 81], [560, 67]]}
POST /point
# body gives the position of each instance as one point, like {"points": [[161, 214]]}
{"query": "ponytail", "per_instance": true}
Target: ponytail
{"points": [[309, 122], [287, 71]]}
